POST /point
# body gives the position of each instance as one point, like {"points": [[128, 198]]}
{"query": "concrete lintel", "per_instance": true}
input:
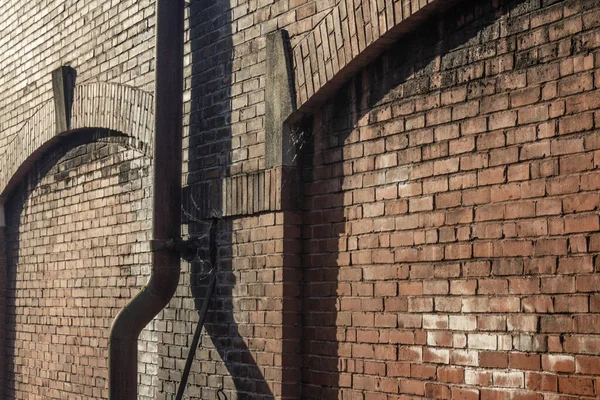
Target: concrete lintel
{"points": [[280, 100], [63, 86]]}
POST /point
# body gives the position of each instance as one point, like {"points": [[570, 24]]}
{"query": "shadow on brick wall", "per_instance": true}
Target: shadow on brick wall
{"points": [[334, 283], [324, 226], [14, 208], [223, 365]]}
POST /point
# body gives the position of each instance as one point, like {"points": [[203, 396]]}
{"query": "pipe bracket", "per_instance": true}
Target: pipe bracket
{"points": [[188, 248]]}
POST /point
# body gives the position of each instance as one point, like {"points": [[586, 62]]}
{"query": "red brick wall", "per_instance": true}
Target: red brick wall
{"points": [[246, 350], [451, 226], [77, 250], [449, 222], [249, 348]]}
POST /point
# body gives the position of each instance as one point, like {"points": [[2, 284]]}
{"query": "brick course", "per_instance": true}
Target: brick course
{"points": [[446, 240], [470, 288], [77, 236]]}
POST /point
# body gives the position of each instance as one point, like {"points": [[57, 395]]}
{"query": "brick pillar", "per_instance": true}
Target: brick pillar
{"points": [[281, 154], [258, 245], [259, 251], [3, 277], [291, 361]]}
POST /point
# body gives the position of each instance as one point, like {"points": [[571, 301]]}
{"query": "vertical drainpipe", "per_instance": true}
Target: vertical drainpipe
{"points": [[168, 96]]}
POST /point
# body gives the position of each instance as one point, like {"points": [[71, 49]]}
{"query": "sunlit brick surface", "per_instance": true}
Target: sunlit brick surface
{"points": [[451, 215], [446, 240], [77, 234]]}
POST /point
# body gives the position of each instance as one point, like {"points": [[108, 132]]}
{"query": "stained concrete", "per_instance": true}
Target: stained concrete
{"points": [[280, 101]]}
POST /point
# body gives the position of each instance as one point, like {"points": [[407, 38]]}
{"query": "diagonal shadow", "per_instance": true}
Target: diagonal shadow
{"points": [[419, 63], [224, 367]]}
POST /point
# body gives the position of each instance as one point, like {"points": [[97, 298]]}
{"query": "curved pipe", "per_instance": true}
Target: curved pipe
{"points": [[168, 96]]}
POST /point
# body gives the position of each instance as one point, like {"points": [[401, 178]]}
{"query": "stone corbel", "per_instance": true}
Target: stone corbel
{"points": [[280, 102], [63, 87]]}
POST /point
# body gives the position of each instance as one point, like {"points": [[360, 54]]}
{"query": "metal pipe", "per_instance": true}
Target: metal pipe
{"points": [[168, 97]]}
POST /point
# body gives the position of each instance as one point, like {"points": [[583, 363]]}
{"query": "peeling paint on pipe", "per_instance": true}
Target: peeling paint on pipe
{"points": [[168, 95]]}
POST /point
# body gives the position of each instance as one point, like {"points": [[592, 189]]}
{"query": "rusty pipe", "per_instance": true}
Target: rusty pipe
{"points": [[166, 218]]}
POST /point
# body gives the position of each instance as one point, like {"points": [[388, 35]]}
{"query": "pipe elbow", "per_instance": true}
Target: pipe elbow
{"points": [[140, 311], [128, 325]]}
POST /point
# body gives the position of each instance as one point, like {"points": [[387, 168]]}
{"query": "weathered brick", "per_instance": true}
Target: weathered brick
{"points": [[440, 218]]}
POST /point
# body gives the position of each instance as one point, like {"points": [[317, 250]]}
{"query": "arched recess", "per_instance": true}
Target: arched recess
{"points": [[347, 39], [98, 105], [384, 96], [98, 110]]}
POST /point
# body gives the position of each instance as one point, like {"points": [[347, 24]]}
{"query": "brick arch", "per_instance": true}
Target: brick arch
{"points": [[348, 38], [96, 224], [109, 106]]}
